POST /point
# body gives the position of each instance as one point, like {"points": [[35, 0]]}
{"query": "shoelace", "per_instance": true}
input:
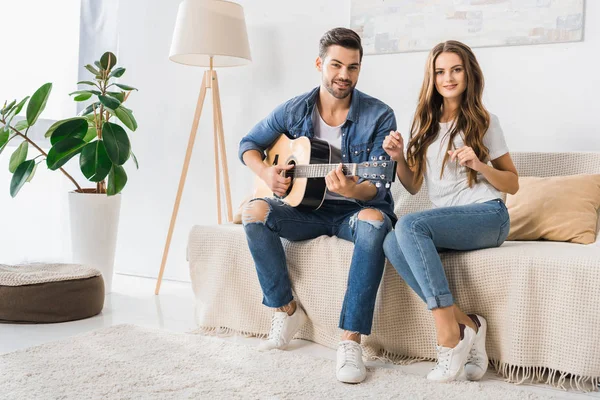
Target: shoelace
{"points": [[350, 355], [277, 326], [473, 357], [443, 360]]}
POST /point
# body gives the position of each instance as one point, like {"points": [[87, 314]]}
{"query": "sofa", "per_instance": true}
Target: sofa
{"points": [[541, 299]]}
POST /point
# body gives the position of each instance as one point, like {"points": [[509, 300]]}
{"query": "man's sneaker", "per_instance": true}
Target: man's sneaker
{"points": [[350, 367], [477, 363], [283, 329], [451, 361]]}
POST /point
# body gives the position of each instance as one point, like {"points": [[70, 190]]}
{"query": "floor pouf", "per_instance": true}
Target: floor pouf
{"points": [[38, 292]]}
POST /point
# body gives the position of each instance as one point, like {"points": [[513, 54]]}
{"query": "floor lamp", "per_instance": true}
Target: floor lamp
{"points": [[208, 33]]}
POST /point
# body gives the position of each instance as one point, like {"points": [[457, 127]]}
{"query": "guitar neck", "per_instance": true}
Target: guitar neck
{"points": [[321, 170]]}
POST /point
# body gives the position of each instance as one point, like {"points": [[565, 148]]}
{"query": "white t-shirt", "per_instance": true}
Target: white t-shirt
{"points": [[333, 136], [453, 188]]}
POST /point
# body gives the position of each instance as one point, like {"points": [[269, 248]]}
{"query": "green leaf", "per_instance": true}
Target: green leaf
{"points": [[82, 97], [97, 64], [89, 109], [70, 128], [117, 95], [37, 103], [8, 107], [21, 175], [91, 134], [116, 142], [32, 173], [109, 102], [125, 115], [125, 87], [117, 72], [18, 156], [97, 93], [59, 123], [94, 162], [3, 136], [2, 147], [86, 83], [92, 69], [117, 178], [108, 60], [19, 106], [135, 161], [63, 151], [21, 125]]}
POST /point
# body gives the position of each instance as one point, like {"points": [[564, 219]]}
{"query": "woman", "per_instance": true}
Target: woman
{"points": [[452, 139]]}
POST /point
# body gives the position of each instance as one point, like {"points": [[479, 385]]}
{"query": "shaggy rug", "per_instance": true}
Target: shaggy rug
{"points": [[130, 362]]}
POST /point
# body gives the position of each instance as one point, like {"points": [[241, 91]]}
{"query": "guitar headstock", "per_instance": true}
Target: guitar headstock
{"points": [[379, 170]]}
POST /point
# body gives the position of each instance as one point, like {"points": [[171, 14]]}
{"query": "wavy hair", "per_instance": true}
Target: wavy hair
{"points": [[471, 120]]}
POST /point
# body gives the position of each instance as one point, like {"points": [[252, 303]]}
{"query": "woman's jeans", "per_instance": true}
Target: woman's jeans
{"points": [[339, 218], [413, 246]]}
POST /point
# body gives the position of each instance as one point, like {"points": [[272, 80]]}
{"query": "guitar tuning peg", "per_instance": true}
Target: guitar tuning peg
{"points": [[375, 164], [374, 158], [383, 164], [378, 184], [382, 157], [387, 185], [382, 176]]}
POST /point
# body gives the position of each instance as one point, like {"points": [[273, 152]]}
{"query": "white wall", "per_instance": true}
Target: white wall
{"points": [[544, 96]]}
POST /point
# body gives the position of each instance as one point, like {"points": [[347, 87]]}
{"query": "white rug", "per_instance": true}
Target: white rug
{"points": [[130, 362]]}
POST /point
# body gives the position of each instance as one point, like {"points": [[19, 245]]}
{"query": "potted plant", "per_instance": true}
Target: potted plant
{"points": [[102, 147]]}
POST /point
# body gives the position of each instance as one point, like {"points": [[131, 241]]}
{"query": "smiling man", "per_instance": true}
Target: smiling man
{"points": [[358, 211]]}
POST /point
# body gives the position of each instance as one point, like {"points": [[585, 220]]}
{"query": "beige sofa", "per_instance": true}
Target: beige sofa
{"points": [[541, 299]]}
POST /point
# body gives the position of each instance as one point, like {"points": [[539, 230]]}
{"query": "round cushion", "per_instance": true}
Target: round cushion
{"points": [[49, 292]]}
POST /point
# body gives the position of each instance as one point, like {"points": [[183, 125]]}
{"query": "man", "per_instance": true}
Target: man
{"points": [[354, 210]]}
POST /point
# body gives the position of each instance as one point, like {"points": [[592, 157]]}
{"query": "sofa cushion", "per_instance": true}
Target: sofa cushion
{"points": [[560, 208]]}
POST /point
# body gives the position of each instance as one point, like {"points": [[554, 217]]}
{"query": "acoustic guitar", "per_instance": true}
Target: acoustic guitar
{"points": [[313, 159]]}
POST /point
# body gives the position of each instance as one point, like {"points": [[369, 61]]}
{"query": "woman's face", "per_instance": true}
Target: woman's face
{"points": [[450, 78]]}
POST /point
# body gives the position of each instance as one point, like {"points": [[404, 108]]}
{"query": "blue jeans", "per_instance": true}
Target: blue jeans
{"points": [[413, 246], [334, 218]]}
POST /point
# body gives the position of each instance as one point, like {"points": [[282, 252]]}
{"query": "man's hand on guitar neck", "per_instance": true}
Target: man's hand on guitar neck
{"points": [[338, 182]]}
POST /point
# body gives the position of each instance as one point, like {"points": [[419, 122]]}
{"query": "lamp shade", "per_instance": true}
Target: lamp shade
{"points": [[206, 28]]}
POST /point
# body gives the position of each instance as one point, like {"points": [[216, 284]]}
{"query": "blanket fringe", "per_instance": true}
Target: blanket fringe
{"points": [[550, 376]]}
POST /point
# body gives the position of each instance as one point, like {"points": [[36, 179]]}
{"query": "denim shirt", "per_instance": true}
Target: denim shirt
{"points": [[368, 122]]}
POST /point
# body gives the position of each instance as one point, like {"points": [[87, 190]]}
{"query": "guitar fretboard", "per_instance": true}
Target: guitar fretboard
{"points": [[320, 170]]}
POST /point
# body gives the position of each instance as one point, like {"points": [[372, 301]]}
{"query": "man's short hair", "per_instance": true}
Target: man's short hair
{"points": [[344, 37]]}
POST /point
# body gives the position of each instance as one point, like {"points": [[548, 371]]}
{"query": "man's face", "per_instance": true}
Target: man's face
{"points": [[339, 70]]}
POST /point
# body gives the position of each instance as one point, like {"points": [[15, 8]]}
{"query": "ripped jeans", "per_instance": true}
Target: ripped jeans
{"points": [[334, 218]]}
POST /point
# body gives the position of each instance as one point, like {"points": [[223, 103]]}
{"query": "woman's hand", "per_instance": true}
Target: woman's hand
{"points": [[466, 157], [393, 144]]}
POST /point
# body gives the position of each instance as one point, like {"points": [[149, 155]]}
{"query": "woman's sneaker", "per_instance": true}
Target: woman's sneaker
{"points": [[477, 363], [451, 360], [350, 367], [283, 329]]}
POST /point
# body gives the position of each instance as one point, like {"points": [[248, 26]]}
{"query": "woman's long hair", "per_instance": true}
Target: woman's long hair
{"points": [[471, 119]]}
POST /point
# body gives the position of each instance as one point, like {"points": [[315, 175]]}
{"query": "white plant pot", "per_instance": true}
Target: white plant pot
{"points": [[94, 225]]}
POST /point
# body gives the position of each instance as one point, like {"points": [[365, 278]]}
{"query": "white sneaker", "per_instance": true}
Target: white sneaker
{"points": [[477, 363], [451, 361], [350, 367], [283, 329]]}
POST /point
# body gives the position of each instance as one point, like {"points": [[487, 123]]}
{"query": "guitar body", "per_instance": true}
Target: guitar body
{"points": [[306, 193]]}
